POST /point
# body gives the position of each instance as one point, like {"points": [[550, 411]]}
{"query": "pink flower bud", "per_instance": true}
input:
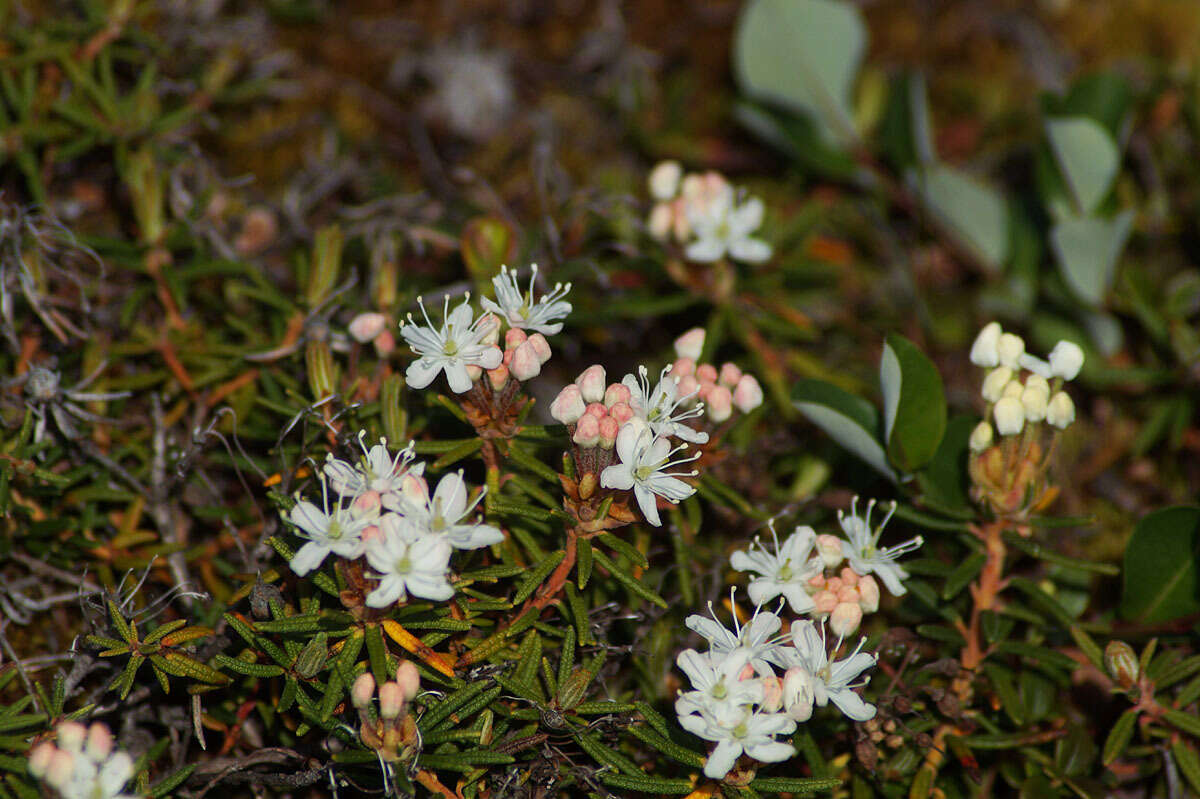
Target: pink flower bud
{"points": [[817, 582], [680, 226], [690, 344], [498, 377], [362, 690], [99, 742], [568, 406], [371, 532], [385, 344], [683, 367], [525, 363], [748, 394], [845, 619], [719, 404], [506, 358], [391, 700], [514, 337], [868, 591], [367, 502], [825, 601], [474, 372], [409, 680], [60, 769], [587, 431], [414, 489], [730, 375], [491, 323], [621, 411], [702, 390], [706, 373], [608, 432], [772, 694], [617, 392], [596, 409], [592, 383], [829, 547], [366, 326], [71, 735], [39, 759], [540, 346], [848, 575], [747, 673], [833, 584], [688, 387], [849, 594]]}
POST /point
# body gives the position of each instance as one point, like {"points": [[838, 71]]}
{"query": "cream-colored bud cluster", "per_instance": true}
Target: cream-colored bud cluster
{"points": [[680, 198], [1020, 388], [83, 764], [391, 730]]}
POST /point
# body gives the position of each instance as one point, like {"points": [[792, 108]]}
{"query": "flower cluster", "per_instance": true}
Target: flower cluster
{"points": [[1023, 394], [83, 765], [391, 730], [754, 684], [807, 570], [384, 511], [706, 214], [722, 391]]}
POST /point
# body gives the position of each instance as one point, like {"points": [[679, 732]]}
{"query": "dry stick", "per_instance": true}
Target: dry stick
{"points": [[160, 506]]}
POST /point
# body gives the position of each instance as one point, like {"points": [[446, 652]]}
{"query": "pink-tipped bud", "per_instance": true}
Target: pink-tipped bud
{"points": [[730, 375], [39, 759], [362, 691], [596, 409], [845, 619], [587, 432], [683, 367], [385, 344], [99, 742], [498, 377], [474, 372], [371, 532], [391, 701], [491, 324], [609, 427], [848, 575], [71, 735], [748, 394], [833, 584], [702, 391], [592, 383], [60, 769], [772, 694], [718, 404], [706, 373], [525, 363], [368, 503], [409, 680], [514, 337], [849, 593], [688, 387], [617, 392], [414, 489], [690, 344], [542, 347], [825, 601], [747, 673], [681, 227], [568, 405], [621, 411], [816, 583], [366, 326], [868, 592], [506, 358], [829, 547]]}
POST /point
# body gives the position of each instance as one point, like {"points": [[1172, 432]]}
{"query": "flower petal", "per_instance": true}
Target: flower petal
{"points": [[308, 558]]}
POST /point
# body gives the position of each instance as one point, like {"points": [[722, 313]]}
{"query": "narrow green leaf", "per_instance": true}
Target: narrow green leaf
{"points": [[664, 745], [1119, 736], [794, 785], [1188, 762], [171, 782], [261, 670], [1183, 721], [625, 548], [634, 585], [966, 571], [583, 562], [537, 575], [647, 784]]}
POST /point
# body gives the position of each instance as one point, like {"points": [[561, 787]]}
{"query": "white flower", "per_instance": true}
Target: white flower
{"points": [[785, 572], [995, 383], [1066, 359], [984, 352], [715, 683], [407, 562], [831, 681], [377, 471], [519, 310], [725, 227], [865, 555], [658, 406], [457, 344], [442, 514], [338, 531], [664, 180], [741, 730], [645, 459], [755, 643]]}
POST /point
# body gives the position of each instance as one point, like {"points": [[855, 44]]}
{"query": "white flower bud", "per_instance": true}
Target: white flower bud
{"points": [[868, 592], [660, 221], [490, 323], [525, 363], [748, 394], [1010, 416], [1038, 382], [1013, 390], [772, 694], [829, 547], [994, 383], [1066, 359], [664, 180], [1061, 410], [542, 347], [409, 680], [845, 618], [568, 406], [798, 694], [690, 344], [981, 437], [71, 735], [592, 383], [983, 351], [1034, 399], [719, 404], [39, 759], [366, 326], [1010, 347], [391, 700]]}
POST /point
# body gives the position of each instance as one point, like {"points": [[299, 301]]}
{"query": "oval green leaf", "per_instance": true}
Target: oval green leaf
{"points": [[914, 404], [1161, 565], [1087, 156], [849, 420], [1087, 249], [971, 211]]}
